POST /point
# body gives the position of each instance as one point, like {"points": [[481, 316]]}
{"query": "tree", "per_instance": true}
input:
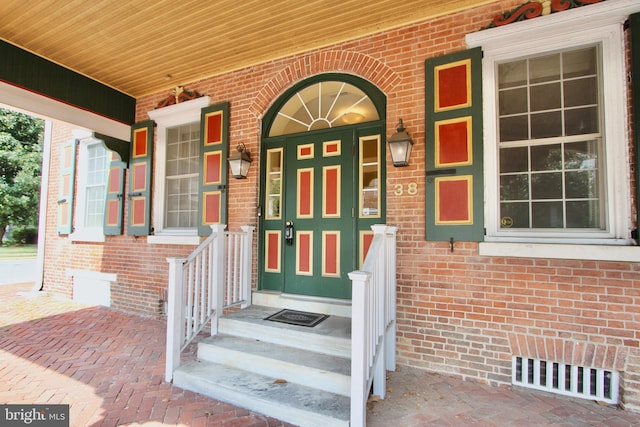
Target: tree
{"points": [[20, 169]]}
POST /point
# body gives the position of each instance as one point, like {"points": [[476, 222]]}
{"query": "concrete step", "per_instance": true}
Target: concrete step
{"points": [[322, 371], [296, 374], [332, 336], [286, 401]]}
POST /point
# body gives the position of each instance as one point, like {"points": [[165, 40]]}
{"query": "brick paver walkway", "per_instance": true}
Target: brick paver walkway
{"points": [[109, 366]]}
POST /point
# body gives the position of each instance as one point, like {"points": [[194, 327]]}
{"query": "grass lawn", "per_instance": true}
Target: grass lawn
{"points": [[18, 252]]}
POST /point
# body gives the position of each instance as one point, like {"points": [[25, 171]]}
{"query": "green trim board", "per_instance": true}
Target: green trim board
{"points": [[36, 74], [634, 29]]}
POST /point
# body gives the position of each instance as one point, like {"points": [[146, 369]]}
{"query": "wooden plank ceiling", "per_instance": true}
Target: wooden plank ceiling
{"points": [[135, 45]]}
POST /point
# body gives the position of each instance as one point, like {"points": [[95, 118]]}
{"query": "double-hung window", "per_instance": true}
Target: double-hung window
{"points": [[555, 131], [93, 161], [176, 172]]}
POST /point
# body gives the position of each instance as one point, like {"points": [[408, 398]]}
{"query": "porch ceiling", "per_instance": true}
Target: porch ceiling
{"points": [[134, 46]]}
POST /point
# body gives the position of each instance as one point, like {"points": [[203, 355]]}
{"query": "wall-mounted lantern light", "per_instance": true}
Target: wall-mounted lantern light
{"points": [[239, 162], [400, 145]]}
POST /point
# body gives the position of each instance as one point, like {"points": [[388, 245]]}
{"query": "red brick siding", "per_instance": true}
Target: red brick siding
{"points": [[458, 312]]}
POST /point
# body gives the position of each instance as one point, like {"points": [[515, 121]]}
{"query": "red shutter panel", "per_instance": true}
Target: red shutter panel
{"points": [[453, 132], [214, 148], [114, 200], [66, 186], [139, 212]]}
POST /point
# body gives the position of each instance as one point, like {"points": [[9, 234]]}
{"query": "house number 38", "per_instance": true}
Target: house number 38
{"points": [[412, 189]]}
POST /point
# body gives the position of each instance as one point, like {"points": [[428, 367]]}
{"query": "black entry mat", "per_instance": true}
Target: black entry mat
{"points": [[293, 317]]}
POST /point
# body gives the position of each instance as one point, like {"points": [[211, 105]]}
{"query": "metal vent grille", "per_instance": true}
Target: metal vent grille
{"points": [[568, 380]]}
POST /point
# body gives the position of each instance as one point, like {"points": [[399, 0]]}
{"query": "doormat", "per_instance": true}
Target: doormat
{"points": [[293, 317]]}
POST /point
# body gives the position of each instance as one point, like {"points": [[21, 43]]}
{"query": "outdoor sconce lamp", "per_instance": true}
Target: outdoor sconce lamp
{"points": [[239, 162], [400, 145]]}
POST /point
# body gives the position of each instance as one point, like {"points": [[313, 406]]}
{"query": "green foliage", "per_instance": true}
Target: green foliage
{"points": [[20, 168], [27, 234]]}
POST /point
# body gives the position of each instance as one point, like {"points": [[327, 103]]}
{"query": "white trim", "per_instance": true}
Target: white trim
{"points": [[167, 117], [561, 251], [44, 194], [48, 107], [598, 23]]}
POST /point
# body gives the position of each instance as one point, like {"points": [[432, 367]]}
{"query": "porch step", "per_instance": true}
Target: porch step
{"points": [[293, 373], [289, 402], [325, 372]]}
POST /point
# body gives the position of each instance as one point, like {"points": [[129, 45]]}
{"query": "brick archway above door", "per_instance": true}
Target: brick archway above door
{"points": [[342, 61]]}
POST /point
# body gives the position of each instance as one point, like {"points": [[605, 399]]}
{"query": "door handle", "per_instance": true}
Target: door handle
{"points": [[288, 232]]}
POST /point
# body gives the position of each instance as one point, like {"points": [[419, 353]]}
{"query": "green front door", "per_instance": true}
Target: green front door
{"points": [[310, 246], [322, 192]]}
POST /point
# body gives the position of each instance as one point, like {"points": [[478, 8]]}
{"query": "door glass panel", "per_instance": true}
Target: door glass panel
{"points": [[274, 181], [369, 176], [324, 105]]}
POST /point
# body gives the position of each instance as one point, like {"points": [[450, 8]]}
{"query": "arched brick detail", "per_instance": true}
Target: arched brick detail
{"points": [[339, 61]]}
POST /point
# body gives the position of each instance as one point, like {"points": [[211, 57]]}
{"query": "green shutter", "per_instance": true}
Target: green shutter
{"points": [[66, 186], [139, 212], [634, 25], [453, 143], [214, 148], [114, 199]]}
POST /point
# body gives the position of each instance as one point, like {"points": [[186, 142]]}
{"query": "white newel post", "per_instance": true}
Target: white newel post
{"points": [[219, 274], [246, 266], [175, 306], [390, 341], [359, 336]]}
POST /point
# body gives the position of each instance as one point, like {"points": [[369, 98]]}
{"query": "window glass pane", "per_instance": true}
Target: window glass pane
{"points": [[550, 185], [514, 159], [582, 184], [274, 178], [583, 214], [513, 101], [581, 155], [545, 97], [514, 128], [544, 68], [514, 215], [577, 63], [546, 215], [580, 92], [369, 176], [183, 151], [581, 121], [546, 157], [512, 74], [95, 181], [546, 125], [514, 187], [546, 186]]}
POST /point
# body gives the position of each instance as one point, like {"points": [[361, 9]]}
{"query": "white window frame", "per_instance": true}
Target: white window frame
{"points": [[600, 24], [81, 232], [165, 118]]}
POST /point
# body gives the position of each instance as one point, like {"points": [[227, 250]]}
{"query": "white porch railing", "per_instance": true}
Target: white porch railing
{"points": [[215, 276], [373, 321]]}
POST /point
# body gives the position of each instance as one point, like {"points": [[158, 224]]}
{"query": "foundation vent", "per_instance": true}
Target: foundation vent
{"points": [[569, 380]]}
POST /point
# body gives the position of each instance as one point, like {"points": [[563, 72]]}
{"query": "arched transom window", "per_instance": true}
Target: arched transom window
{"points": [[323, 105]]}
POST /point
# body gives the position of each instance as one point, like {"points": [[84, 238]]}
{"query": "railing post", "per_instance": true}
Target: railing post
{"points": [[219, 274], [175, 305], [390, 341], [359, 336], [246, 267]]}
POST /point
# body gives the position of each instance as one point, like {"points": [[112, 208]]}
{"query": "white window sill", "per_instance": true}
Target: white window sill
{"points": [[173, 239], [87, 235], [561, 251]]}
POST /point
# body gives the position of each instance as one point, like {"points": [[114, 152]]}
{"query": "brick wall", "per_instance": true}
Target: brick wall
{"points": [[458, 312]]}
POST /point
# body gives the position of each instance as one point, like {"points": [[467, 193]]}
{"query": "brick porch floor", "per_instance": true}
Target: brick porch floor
{"points": [[109, 367]]}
